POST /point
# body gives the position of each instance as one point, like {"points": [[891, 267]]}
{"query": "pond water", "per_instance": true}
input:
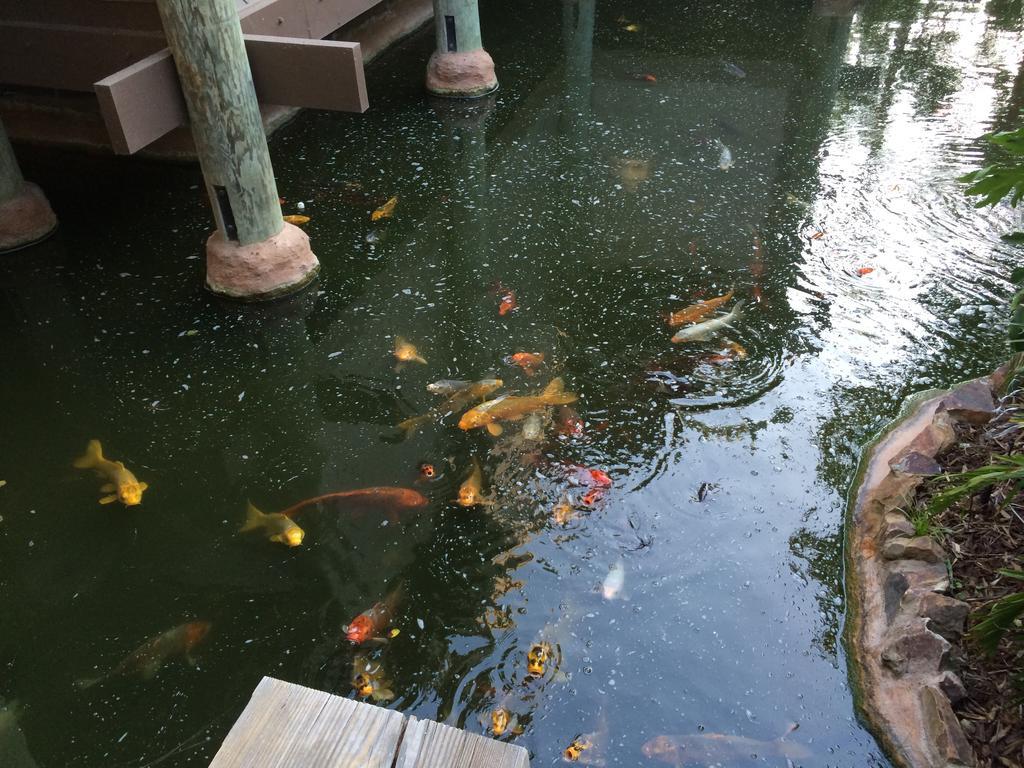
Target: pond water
{"points": [[591, 187]]}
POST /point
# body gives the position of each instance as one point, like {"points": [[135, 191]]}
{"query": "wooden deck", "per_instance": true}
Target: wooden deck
{"points": [[287, 725]]}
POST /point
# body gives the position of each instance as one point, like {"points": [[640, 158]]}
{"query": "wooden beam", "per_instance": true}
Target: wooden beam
{"points": [[82, 41], [319, 74], [143, 102]]}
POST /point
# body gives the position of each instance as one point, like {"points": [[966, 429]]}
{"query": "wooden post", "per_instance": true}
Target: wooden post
{"points": [[460, 67], [11, 180], [25, 214], [253, 254]]}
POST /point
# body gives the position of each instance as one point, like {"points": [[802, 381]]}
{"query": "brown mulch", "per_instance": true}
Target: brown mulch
{"points": [[981, 535]]}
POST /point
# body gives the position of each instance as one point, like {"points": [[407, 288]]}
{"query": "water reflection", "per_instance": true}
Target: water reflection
{"points": [[660, 564]]}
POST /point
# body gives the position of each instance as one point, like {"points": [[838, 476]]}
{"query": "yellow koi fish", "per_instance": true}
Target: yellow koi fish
{"points": [[406, 352], [454, 403], [369, 680], [470, 492], [123, 485], [695, 312], [278, 527], [511, 408]]}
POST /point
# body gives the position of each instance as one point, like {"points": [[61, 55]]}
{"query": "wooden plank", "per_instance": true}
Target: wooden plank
{"points": [[427, 744], [123, 14], [300, 18], [68, 57], [319, 74], [288, 725], [143, 102]]}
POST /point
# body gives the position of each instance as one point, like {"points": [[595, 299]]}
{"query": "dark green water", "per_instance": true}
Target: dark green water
{"points": [[581, 187]]}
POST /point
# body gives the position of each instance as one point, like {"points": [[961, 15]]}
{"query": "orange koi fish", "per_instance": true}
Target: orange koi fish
{"points": [[695, 312], [371, 623], [146, 660], [865, 271], [296, 218], [386, 497], [563, 511], [528, 361], [406, 352], [508, 303], [122, 486], [386, 211], [512, 408]]}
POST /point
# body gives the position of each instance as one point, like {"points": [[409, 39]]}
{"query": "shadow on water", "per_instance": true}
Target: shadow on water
{"points": [[635, 160]]}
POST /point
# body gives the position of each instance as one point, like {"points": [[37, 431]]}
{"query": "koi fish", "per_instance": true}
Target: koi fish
{"points": [[737, 350], [733, 70], [123, 485], [720, 749], [470, 494], [703, 330], [633, 171], [563, 511], [578, 475], [369, 625], [146, 660], [386, 211], [612, 585], [576, 748], [502, 721], [533, 427], [427, 470], [537, 658], [384, 497], [368, 679], [14, 752], [589, 748], [455, 403], [725, 161], [508, 303], [591, 497], [631, 28], [568, 421], [695, 312], [528, 361], [406, 352], [865, 271], [278, 527], [511, 408], [448, 387], [296, 218]]}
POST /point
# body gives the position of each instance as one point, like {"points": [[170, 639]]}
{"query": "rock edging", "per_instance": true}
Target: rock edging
{"points": [[902, 625]]}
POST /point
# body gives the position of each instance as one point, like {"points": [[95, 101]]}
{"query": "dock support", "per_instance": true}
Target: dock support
{"points": [[253, 255], [25, 214], [460, 67]]}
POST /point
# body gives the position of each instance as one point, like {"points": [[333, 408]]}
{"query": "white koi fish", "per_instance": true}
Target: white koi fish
{"points": [[612, 585], [725, 161], [701, 331]]}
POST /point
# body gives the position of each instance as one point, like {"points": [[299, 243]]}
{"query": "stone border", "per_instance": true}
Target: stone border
{"points": [[902, 625]]}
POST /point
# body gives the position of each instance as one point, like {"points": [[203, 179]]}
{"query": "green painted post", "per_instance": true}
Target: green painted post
{"points": [[253, 254], [460, 67], [11, 180], [25, 213]]}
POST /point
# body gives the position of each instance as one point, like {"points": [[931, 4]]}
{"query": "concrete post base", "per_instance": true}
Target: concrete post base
{"points": [[274, 267], [461, 75], [25, 219]]}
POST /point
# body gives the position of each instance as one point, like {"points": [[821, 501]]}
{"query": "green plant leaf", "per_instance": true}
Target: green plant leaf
{"points": [[999, 619]]}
